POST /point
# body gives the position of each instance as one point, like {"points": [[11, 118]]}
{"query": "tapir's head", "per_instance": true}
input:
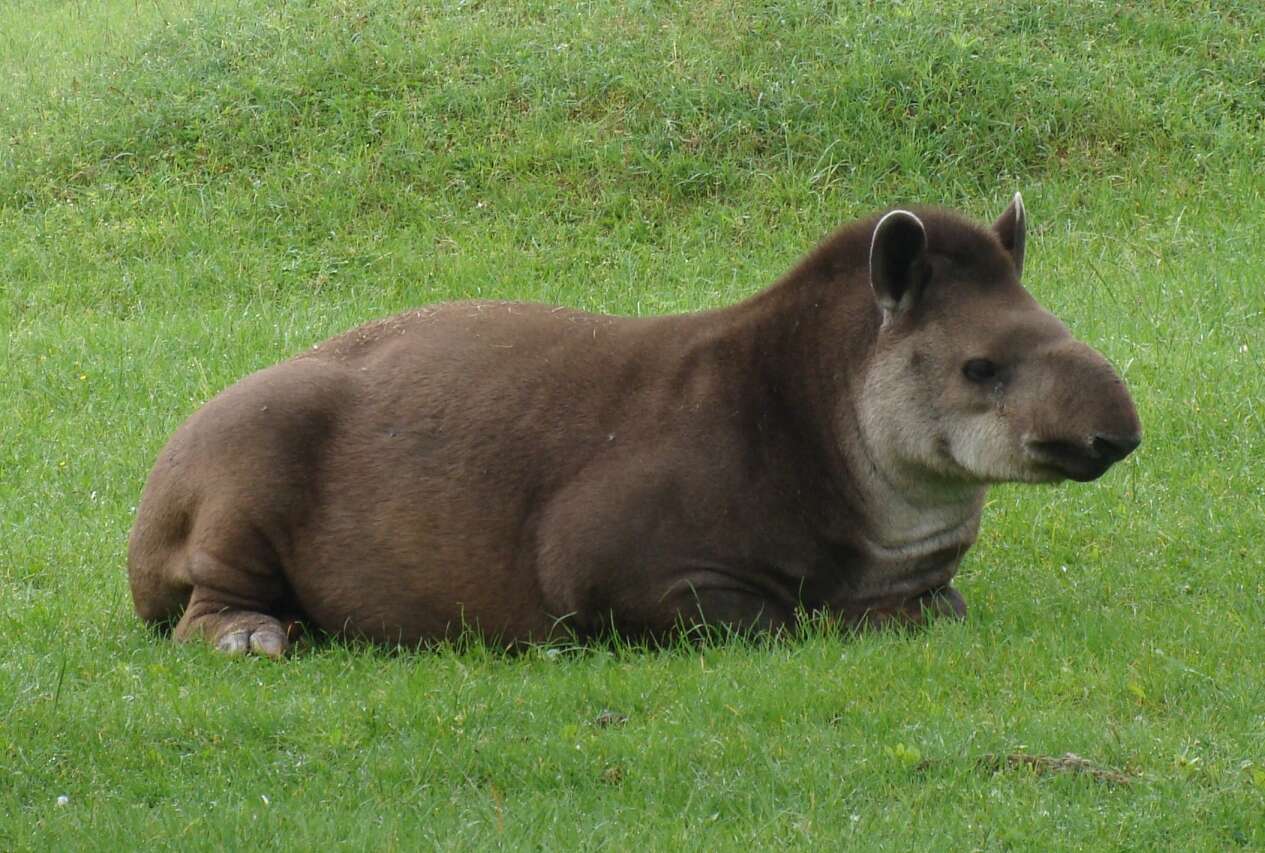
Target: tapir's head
{"points": [[970, 378]]}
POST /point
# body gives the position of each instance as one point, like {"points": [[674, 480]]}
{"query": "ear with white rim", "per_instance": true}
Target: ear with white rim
{"points": [[896, 255], [1010, 228]]}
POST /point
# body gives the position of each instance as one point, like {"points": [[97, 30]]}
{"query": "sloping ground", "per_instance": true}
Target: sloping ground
{"points": [[192, 191]]}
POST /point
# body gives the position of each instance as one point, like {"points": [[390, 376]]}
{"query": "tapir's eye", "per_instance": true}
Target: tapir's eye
{"points": [[979, 370]]}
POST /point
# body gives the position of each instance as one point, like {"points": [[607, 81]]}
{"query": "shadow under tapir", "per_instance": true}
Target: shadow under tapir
{"points": [[526, 470]]}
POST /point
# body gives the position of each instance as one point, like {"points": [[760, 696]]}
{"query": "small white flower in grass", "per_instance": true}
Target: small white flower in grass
{"points": [[63, 800], [264, 797]]}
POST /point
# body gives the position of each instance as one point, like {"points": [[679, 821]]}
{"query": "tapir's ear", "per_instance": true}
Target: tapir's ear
{"points": [[1010, 227], [896, 254]]}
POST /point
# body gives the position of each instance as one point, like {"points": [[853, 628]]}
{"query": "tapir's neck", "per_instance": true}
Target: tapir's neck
{"points": [[809, 340], [810, 337], [799, 367]]}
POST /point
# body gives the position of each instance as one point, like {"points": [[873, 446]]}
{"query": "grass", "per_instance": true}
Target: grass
{"points": [[189, 192]]}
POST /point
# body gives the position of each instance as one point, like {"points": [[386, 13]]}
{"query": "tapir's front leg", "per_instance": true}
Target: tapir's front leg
{"points": [[702, 599], [608, 562], [658, 539]]}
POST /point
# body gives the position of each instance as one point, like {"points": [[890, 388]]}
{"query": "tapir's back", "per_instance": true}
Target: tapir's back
{"points": [[529, 391]]}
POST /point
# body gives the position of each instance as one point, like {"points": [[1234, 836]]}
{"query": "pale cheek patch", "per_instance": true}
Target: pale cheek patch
{"points": [[984, 446], [895, 417]]}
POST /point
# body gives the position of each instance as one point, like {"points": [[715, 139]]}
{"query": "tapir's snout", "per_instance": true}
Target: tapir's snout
{"points": [[1087, 420], [1114, 448], [1083, 461]]}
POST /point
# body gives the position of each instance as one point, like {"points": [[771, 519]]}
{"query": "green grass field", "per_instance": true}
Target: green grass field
{"points": [[192, 191]]}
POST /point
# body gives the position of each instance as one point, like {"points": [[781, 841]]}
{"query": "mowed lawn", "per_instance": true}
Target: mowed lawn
{"points": [[192, 191]]}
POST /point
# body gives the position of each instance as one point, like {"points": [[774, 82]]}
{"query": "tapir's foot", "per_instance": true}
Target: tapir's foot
{"points": [[237, 632], [941, 602], [232, 605]]}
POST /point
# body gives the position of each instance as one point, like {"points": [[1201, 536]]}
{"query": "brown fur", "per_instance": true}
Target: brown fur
{"points": [[526, 470]]}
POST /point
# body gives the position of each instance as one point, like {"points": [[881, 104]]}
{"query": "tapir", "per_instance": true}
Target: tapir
{"points": [[525, 471]]}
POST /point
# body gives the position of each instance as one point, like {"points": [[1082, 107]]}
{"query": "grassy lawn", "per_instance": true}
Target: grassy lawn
{"points": [[192, 191]]}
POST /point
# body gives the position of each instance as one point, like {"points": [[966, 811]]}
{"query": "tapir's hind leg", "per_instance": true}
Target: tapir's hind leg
{"points": [[235, 607]]}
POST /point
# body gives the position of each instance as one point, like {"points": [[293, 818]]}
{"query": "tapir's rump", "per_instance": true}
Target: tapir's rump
{"points": [[526, 471]]}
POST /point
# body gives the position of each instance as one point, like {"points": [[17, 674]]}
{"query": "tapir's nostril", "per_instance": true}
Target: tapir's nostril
{"points": [[1114, 448]]}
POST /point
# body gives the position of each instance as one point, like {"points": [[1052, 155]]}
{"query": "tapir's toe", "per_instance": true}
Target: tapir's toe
{"points": [[268, 640], [237, 632]]}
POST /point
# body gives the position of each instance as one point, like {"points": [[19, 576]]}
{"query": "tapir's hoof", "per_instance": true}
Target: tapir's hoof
{"points": [[266, 640]]}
